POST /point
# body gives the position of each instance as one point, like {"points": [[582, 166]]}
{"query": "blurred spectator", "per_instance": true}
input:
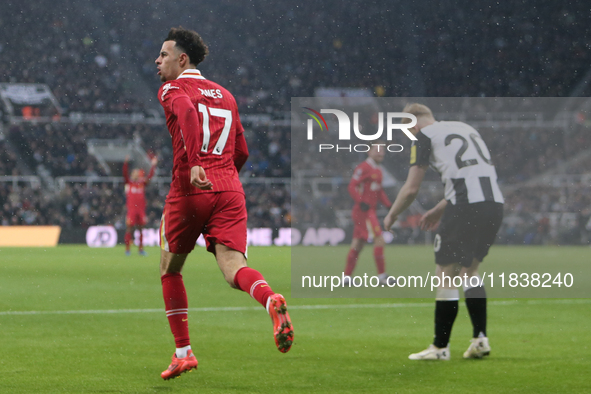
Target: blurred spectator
{"points": [[50, 42], [266, 54], [7, 160]]}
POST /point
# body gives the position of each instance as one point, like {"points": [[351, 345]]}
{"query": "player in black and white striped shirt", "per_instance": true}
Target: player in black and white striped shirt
{"points": [[470, 213]]}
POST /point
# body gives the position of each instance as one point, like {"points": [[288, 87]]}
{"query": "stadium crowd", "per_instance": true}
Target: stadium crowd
{"points": [[7, 160], [62, 147], [59, 148], [519, 51], [56, 44], [542, 214], [80, 205], [518, 154], [266, 55]]}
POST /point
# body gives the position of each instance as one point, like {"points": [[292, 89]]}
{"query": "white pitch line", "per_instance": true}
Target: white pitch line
{"points": [[293, 307]]}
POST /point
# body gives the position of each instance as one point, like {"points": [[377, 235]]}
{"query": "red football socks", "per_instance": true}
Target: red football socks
{"points": [[351, 261], [378, 255], [141, 240], [177, 307], [127, 241], [251, 281]]}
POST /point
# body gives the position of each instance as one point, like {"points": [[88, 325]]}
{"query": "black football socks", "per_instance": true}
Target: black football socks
{"points": [[476, 304], [445, 315]]}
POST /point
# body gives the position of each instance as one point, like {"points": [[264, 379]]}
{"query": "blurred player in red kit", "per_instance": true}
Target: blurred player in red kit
{"points": [[135, 198], [366, 190], [206, 196]]}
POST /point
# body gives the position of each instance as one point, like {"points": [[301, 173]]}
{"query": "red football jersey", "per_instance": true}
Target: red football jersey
{"points": [[135, 196], [203, 121], [366, 185]]}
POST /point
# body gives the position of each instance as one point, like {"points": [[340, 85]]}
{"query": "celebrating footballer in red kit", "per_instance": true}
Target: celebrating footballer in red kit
{"points": [[366, 190], [135, 198], [206, 196]]}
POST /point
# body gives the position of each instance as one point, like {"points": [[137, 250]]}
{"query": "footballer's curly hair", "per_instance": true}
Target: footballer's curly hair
{"points": [[189, 42]]}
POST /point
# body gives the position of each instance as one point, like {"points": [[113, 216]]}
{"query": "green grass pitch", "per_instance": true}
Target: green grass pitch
{"points": [[64, 328]]}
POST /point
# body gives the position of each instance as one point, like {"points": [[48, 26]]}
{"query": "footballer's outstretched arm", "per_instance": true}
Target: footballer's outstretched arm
{"points": [[154, 161], [126, 169], [407, 194]]}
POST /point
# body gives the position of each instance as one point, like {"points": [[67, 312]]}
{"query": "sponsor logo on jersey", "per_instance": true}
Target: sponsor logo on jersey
{"points": [[166, 88], [137, 189]]}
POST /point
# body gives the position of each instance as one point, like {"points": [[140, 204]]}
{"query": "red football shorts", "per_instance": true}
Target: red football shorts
{"points": [[220, 217], [363, 221], [135, 218]]}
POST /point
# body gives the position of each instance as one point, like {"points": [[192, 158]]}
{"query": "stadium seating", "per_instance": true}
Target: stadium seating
{"points": [[52, 43], [7, 160], [96, 61]]}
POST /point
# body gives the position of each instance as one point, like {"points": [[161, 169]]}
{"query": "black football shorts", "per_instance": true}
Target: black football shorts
{"points": [[466, 232]]}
